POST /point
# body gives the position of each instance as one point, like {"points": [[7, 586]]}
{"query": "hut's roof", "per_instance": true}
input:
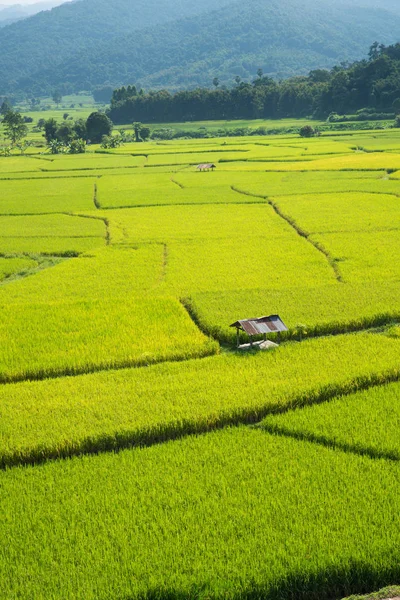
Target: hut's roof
{"points": [[260, 325], [207, 166]]}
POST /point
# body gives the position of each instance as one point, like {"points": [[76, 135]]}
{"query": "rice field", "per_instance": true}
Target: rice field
{"points": [[365, 422], [142, 455]]}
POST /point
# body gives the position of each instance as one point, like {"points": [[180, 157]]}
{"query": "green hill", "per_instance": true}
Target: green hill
{"points": [[125, 43], [48, 38]]}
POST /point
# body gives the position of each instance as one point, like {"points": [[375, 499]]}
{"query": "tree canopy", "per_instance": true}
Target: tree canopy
{"points": [[97, 126], [15, 128], [367, 87]]}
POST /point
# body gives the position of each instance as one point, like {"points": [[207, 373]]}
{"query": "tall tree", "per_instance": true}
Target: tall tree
{"points": [[15, 128], [98, 125], [57, 97]]}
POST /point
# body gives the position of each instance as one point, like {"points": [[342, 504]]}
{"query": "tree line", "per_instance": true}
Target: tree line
{"points": [[367, 87]]}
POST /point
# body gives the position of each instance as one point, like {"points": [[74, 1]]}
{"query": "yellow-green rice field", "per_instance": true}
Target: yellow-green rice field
{"points": [[142, 455]]}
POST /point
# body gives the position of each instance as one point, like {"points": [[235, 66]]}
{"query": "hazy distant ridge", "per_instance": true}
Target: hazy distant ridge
{"points": [[156, 43]]}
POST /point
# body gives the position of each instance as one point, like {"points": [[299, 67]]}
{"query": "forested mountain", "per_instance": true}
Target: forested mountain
{"points": [[48, 38], [158, 43], [15, 12]]}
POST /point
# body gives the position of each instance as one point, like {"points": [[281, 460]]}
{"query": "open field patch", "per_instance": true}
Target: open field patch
{"points": [[221, 247], [340, 213], [110, 410], [366, 422], [365, 256], [50, 234], [12, 266], [46, 340], [308, 311], [121, 359], [88, 162], [223, 524], [104, 273], [45, 196]]}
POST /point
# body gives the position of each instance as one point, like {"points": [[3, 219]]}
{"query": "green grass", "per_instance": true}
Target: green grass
{"points": [[384, 594], [90, 161], [365, 256], [223, 246], [46, 196], [307, 229], [230, 515], [350, 212], [253, 123], [18, 164], [50, 234], [366, 422], [104, 273], [320, 309], [109, 410], [15, 265], [46, 340]]}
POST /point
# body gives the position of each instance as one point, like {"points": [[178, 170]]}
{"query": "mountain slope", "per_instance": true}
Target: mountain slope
{"points": [[50, 37], [93, 42], [235, 40], [15, 12]]}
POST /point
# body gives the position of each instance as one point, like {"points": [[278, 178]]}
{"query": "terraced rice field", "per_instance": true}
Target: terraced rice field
{"points": [[142, 456]]}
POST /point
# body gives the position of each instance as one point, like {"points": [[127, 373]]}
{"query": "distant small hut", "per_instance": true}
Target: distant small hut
{"points": [[206, 167], [261, 326]]}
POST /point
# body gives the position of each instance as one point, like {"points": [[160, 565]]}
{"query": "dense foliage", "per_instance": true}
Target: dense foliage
{"points": [[366, 86], [35, 45], [158, 43]]}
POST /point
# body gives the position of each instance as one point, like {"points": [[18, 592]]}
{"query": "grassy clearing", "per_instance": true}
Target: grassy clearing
{"points": [[45, 196], [366, 422], [110, 410], [223, 247], [384, 594], [11, 266], [350, 212], [105, 273], [50, 234], [366, 256], [224, 516], [317, 310], [46, 340]]}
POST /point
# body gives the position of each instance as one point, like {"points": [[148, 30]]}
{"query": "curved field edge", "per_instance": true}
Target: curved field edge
{"points": [[308, 312], [386, 593], [235, 524], [117, 409], [366, 422], [39, 341]]}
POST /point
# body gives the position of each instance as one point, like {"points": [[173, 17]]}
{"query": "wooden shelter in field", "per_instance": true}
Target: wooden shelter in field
{"points": [[261, 326], [206, 167]]}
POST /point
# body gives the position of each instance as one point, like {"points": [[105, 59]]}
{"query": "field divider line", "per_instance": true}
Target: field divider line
{"points": [[88, 369], [160, 204], [328, 193], [95, 199], [301, 232], [180, 185], [367, 324], [329, 443], [163, 433], [95, 218]]}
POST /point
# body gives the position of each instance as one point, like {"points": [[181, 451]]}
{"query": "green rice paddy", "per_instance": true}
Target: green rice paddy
{"points": [[142, 455]]}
